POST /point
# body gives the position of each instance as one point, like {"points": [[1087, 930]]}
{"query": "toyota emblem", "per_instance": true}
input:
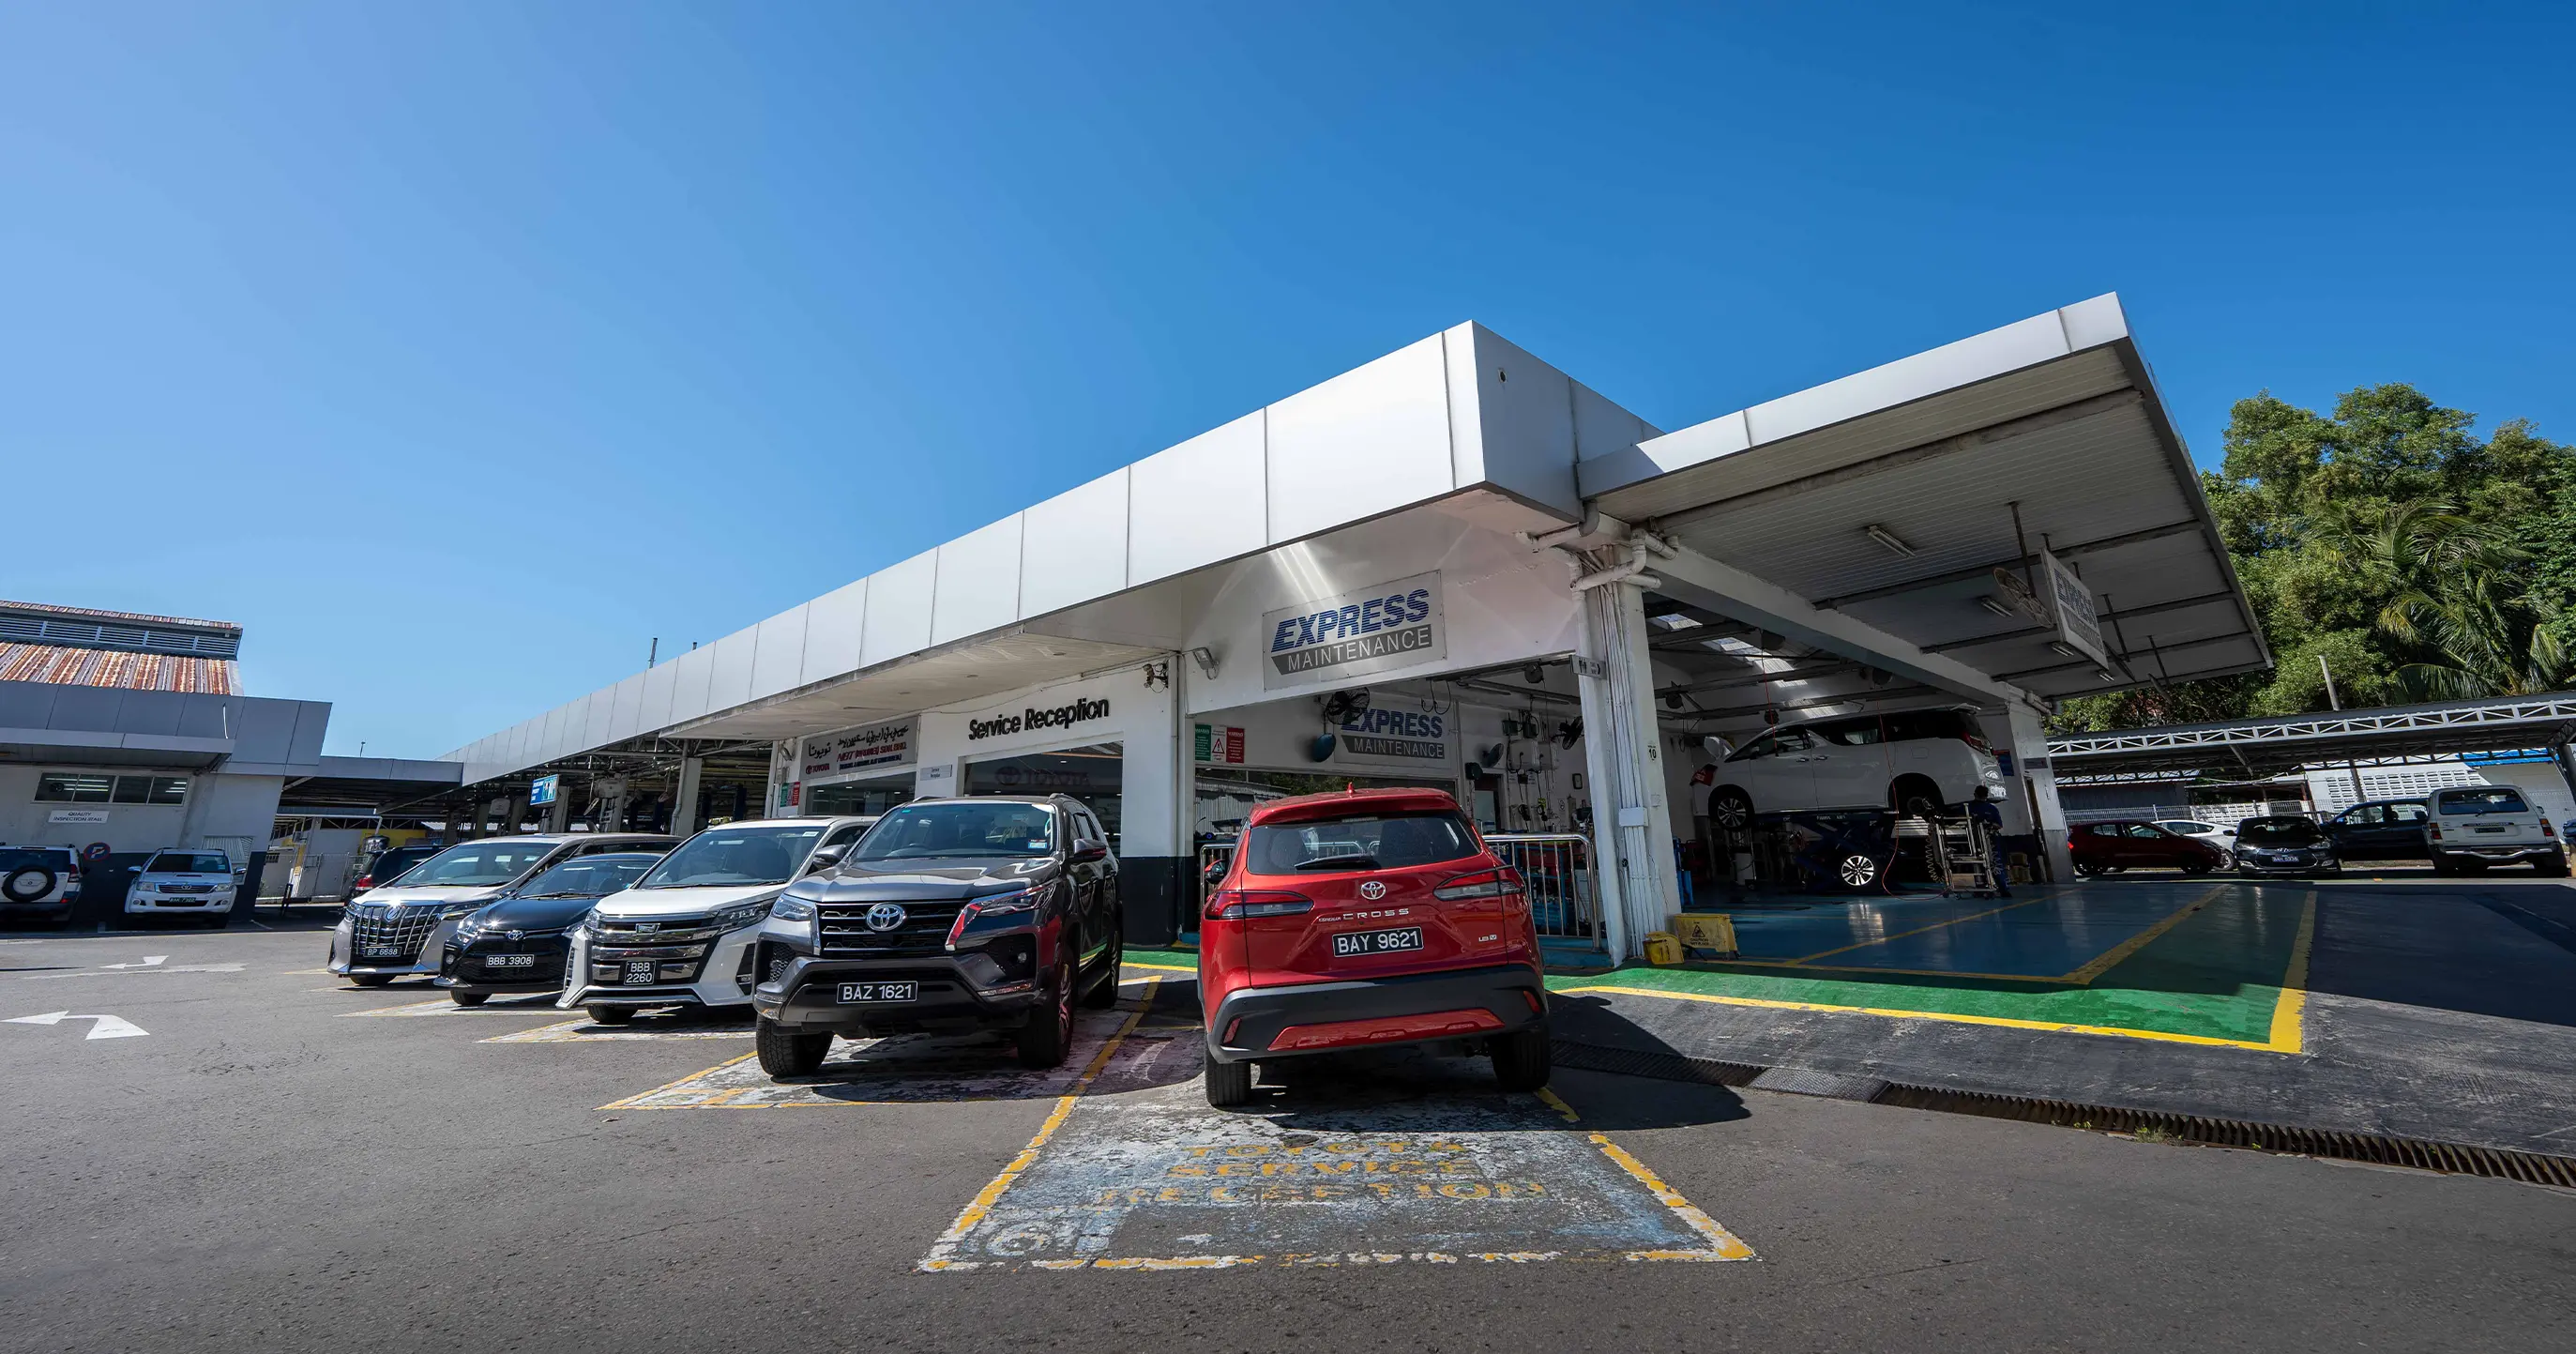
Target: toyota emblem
{"points": [[884, 917], [648, 926], [1373, 890], [518, 935]]}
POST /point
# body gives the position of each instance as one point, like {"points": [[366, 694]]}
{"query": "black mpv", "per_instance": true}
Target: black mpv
{"points": [[518, 943], [951, 914]]}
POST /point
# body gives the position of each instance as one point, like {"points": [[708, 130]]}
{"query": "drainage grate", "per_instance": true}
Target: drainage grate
{"points": [[2532, 1168]]}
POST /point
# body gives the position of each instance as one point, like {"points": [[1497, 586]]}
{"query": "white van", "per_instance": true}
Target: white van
{"points": [[192, 882], [2475, 826], [1913, 761]]}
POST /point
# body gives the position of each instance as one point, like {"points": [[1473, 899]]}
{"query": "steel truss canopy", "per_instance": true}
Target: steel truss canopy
{"points": [[1893, 496], [2269, 746]]}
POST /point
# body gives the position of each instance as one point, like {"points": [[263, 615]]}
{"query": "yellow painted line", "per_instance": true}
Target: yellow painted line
{"points": [[1954, 921], [2002, 1021], [1159, 968], [2289, 1028], [2109, 959], [1723, 1244], [999, 1185], [631, 1101]]}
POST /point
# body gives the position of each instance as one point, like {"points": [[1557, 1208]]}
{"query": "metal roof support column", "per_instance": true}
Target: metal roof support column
{"points": [[558, 813], [684, 799], [1632, 829], [2039, 788]]}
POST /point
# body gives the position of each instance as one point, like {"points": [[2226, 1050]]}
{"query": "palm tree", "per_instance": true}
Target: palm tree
{"points": [[2453, 598]]}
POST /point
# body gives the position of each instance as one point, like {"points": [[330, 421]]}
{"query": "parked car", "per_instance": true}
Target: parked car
{"points": [[2285, 844], [682, 936], [2213, 834], [196, 883], [952, 914], [399, 929], [1916, 761], [2475, 826], [2382, 829], [38, 884], [391, 865], [517, 943], [1364, 919], [2134, 844]]}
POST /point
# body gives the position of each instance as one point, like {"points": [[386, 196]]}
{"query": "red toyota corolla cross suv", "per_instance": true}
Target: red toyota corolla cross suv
{"points": [[1365, 918]]}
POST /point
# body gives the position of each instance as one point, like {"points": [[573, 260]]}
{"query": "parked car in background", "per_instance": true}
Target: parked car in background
{"points": [[682, 936], [517, 943], [2475, 826], [1362, 919], [953, 914], [196, 883], [2285, 844], [391, 865], [38, 884], [2382, 829], [1914, 761], [2214, 834], [2135, 844], [399, 929]]}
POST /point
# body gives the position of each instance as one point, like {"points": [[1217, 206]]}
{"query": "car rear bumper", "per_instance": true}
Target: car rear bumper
{"points": [[1275, 1022], [2516, 854]]}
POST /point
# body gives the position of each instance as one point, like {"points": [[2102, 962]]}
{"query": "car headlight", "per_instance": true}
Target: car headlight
{"points": [[735, 918], [789, 907], [999, 904]]}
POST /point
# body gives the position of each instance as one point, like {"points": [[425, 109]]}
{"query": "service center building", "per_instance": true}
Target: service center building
{"points": [[1456, 566]]}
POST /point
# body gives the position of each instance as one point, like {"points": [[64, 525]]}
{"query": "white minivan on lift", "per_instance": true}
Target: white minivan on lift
{"points": [[1919, 762], [682, 936]]}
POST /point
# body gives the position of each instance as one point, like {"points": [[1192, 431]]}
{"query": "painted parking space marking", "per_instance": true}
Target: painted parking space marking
{"points": [[131, 971], [446, 1006], [586, 1032], [1432, 1169]]}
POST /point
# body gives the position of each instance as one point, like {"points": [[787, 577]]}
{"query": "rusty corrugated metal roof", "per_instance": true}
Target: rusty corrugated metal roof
{"points": [[94, 614], [117, 668]]}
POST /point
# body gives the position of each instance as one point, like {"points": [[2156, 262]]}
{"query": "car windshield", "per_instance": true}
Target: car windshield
{"points": [[2279, 832], [589, 877], [1388, 841], [960, 829], [2487, 799], [723, 856], [189, 862], [476, 864]]}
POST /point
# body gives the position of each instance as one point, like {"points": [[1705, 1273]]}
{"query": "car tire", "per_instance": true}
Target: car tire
{"points": [[1857, 871], [2085, 869], [1731, 809], [789, 1053], [468, 998], [2550, 869], [1915, 797], [29, 884], [1228, 1084], [610, 1015], [1046, 1034], [1523, 1059], [371, 979], [1104, 990]]}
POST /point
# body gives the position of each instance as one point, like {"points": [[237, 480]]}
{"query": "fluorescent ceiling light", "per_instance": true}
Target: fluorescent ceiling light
{"points": [[1987, 600], [2062, 649], [1888, 538]]}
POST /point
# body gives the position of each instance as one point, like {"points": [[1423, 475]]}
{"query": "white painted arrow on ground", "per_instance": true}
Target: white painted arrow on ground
{"points": [[108, 1026], [149, 961]]}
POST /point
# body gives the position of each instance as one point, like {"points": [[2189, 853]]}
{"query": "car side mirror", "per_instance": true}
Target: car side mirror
{"points": [[825, 859], [1088, 849]]}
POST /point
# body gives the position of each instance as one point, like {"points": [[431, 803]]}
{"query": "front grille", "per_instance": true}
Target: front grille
{"points": [[923, 930], [402, 930], [187, 888]]}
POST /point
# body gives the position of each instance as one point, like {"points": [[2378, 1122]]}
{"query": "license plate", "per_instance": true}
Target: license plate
{"points": [[639, 973], [381, 951], [509, 961], [906, 991], [2491, 829], [1353, 943]]}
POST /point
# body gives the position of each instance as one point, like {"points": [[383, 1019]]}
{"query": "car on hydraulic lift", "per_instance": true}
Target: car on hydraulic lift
{"points": [[401, 929], [2477, 826], [991, 912], [1366, 919], [1917, 762], [682, 936], [517, 943], [2135, 844]]}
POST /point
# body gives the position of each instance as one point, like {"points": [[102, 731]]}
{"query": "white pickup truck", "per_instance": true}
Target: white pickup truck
{"points": [[2475, 826]]}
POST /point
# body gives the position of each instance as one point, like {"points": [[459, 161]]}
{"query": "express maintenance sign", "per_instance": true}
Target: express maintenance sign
{"points": [[1391, 625]]}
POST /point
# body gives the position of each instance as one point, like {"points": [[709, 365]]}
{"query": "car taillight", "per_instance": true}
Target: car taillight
{"points": [[1237, 904], [365, 882], [2546, 830], [1482, 884], [1978, 742], [2434, 830]]}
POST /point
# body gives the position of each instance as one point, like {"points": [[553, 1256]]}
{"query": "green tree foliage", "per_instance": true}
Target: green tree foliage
{"points": [[2419, 561]]}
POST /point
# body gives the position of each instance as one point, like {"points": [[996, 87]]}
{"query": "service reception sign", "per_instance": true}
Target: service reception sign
{"points": [[1391, 625]]}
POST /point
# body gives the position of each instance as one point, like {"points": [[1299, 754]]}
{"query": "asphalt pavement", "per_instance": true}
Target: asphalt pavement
{"points": [[280, 1162]]}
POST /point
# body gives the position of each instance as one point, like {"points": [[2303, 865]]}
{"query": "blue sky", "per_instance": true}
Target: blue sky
{"points": [[459, 350]]}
